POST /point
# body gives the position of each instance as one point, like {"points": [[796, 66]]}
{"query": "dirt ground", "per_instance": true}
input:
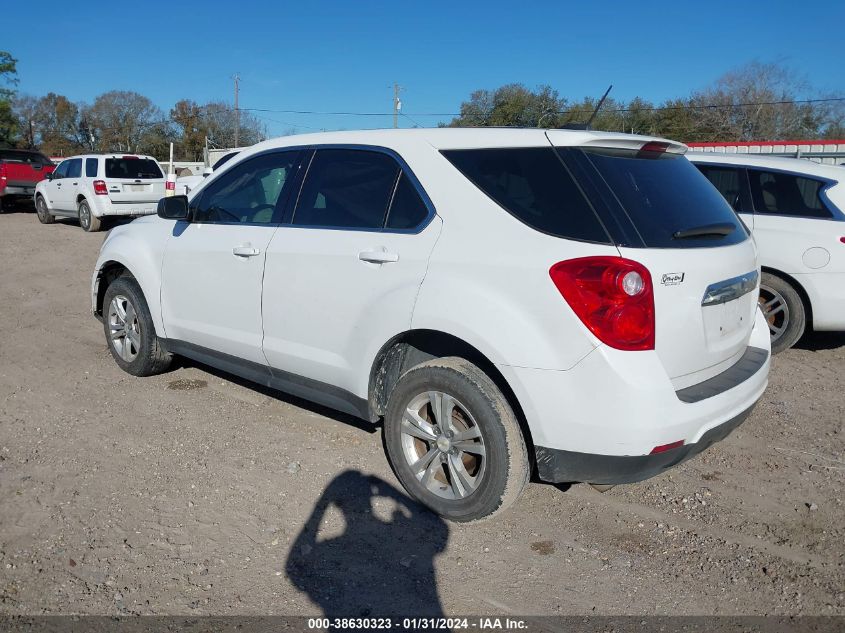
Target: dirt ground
{"points": [[191, 493]]}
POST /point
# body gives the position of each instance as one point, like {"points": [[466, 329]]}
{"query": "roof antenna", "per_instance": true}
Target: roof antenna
{"points": [[586, 126]]}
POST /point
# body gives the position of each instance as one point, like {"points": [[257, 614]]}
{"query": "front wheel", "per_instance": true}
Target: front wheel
{"points": [[784, 312], [453, 440], [44, 215], [129, 329], [87, 220]]}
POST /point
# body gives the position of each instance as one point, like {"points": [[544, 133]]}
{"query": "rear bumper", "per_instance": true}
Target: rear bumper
{"points": [[558, 466], [103, 207], [614, 407]]}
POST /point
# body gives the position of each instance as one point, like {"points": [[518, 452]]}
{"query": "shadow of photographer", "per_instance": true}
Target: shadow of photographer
{"points": [[367, 550]]}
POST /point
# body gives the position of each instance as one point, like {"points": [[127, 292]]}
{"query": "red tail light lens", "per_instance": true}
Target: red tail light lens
{"points": [[666, 447], [612, 296], [842, 239], [100, 188]]}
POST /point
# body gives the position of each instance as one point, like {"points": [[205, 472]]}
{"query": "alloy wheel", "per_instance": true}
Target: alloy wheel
{"points": [[775, 311], [443, 445], [124, 328]]}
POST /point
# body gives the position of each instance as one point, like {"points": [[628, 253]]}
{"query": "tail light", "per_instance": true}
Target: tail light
{"points": [[842, 239], [100, 188], [2, 176], [652, 149], [612, 296]]}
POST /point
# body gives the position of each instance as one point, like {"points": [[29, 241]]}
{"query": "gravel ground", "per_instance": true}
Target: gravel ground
{"points": [[190, 493]]}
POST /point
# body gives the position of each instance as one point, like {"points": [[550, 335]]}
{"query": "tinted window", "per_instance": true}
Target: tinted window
{"points": [[346, 188], [91, 167], [33, 158], [787, 194], [407, 209], [662, 194], [728, 181], [532, 185], [135, 168], [250, 192], [74, 168], [61, 170]]}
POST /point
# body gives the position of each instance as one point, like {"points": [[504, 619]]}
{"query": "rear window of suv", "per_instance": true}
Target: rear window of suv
{"points": [[135, 168], [667, 201]]}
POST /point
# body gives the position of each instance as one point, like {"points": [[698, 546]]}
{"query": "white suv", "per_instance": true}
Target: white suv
{"points": [[577, 303], [91, 187], [796, 212]]}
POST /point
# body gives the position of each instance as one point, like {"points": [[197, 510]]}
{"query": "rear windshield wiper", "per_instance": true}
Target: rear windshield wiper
{"points": [[706, 230]]}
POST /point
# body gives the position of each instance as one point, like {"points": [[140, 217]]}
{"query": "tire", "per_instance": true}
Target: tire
{"points": [[488, 481], [44, 215], [89, 222], [132, 339], [784, 311]]}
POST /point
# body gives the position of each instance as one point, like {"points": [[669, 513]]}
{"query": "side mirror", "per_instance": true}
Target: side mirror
{"points": [[174, 208]]}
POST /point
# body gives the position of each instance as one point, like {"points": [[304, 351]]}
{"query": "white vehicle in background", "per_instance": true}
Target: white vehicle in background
{"points": [[578, 304], [186, 184], [95, 186], [795, 209]]}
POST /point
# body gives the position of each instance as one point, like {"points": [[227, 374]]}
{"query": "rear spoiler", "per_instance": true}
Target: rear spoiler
{"points": [[639, 144], [615, 141]]}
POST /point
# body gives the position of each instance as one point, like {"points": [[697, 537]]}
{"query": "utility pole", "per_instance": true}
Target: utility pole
{"points": [[397, 105], [237, 78]]}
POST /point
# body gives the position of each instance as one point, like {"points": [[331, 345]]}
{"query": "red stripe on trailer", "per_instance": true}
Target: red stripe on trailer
{"points": [[768, 143]]}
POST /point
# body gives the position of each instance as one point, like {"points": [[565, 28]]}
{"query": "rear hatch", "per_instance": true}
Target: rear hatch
{"points": [[133, 180], [661, 212], [23, 169]]}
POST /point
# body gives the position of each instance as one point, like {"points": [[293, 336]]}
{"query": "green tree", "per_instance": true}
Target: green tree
{"points": [[512, 105], [8, 79]]}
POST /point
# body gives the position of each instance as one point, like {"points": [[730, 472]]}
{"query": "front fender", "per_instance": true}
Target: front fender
{"points": [[139, 248]]}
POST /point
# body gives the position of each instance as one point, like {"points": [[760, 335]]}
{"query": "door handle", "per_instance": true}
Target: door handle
{"points": [[59, 185], [378, 257], [245, 251]]}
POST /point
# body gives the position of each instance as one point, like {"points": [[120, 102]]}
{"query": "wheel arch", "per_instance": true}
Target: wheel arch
{"points": [[107, 273], [805, 297], [412, 347]]}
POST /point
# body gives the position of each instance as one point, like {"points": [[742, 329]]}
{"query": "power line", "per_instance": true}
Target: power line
{"points": [[714, 106]]}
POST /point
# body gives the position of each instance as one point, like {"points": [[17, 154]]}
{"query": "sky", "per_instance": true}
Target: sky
{"points": [[345, 56]]}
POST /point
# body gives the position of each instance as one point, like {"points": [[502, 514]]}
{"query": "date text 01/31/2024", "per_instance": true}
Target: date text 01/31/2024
{"points": [[417, 624]]}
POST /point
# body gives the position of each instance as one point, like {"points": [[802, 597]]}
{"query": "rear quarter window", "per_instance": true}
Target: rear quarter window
{"points": [[779, 193], [532, 185], [134, 168]]}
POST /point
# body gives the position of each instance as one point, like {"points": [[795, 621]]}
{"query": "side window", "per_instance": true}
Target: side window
{"points": [[74, 168], [729, 183], [778, 193], [253, 192], [346, 189], [61, 170], [91, 167], [407, 209]]}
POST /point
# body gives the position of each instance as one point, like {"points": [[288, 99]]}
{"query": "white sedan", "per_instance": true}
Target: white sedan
{"points": [[795, 209]]}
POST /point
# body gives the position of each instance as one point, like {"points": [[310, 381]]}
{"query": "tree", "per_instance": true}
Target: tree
{"points": [[124, 121], [188, 118], [9, 77], [512, 105], [55, 125], [219, 126]]}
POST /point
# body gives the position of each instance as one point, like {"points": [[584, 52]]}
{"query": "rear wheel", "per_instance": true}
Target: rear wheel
{"points": [[454, 441], [783, 310], [87, 220], [129, 329], [44, 215]]}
